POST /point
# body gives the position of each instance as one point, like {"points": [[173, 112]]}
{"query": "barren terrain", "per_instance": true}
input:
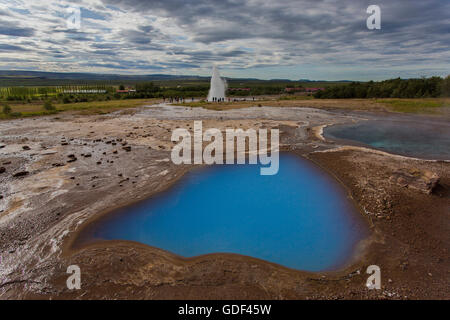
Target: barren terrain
{"points": [[60, 172]]}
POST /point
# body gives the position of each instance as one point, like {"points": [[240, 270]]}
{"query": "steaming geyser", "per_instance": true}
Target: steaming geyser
{"points": [[218, 86]]}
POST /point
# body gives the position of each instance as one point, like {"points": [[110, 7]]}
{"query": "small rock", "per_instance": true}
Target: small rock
{"points": [[88, 155], [26, 148], [421, 180], [127, 148], [20, 174], [2, 169]]}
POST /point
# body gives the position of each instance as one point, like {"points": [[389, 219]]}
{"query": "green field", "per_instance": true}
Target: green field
{"points": [[430, 106], [85, 108]]}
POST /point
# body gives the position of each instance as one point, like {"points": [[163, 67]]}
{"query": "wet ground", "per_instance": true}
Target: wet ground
{"points": [[62, 172]]}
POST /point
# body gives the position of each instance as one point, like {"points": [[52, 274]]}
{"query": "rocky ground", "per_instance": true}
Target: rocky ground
{"points": [[58, 173]]}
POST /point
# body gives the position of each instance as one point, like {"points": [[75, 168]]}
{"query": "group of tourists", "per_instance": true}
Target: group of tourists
{"points": [[176, 99]]}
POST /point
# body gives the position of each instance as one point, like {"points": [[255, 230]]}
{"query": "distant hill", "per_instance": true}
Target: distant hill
{"points": [[307, 80], [101, 76], [92, 76], [40, 78]]}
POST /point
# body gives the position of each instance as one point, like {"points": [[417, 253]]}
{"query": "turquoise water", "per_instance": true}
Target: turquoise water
{"points": [[416, 139], [299, 218]]}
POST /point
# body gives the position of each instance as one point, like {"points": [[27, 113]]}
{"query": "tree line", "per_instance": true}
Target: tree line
{"points": [[394, 88]]}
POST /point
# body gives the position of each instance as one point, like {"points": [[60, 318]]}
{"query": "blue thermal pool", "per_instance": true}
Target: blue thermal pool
{"points": [[425, 140], [299, 218]]}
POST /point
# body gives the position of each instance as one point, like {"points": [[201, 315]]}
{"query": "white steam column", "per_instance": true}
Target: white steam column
{"points": [[218, 86]]}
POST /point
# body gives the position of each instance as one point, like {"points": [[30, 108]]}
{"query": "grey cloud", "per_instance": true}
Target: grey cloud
{"points": [[15, 31], [105, 52], [135, 36], [8, 47], [243, 34]]}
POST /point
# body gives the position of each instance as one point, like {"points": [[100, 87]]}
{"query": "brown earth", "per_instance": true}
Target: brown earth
{"points": [[41, 213]]}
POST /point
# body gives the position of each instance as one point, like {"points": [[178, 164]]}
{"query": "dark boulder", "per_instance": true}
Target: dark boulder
{"points": [[72, 158], [20, 174]]}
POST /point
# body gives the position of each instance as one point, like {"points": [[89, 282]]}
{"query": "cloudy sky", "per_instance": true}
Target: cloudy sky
{"points": [[321, 39]]}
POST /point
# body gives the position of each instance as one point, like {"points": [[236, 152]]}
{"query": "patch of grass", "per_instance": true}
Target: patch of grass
{"points": [[86, 108], [49, 106], [418, 106], [221, 106], [15, 114], [102, 107], [295, 97], [427, 106], [6, 109]]}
